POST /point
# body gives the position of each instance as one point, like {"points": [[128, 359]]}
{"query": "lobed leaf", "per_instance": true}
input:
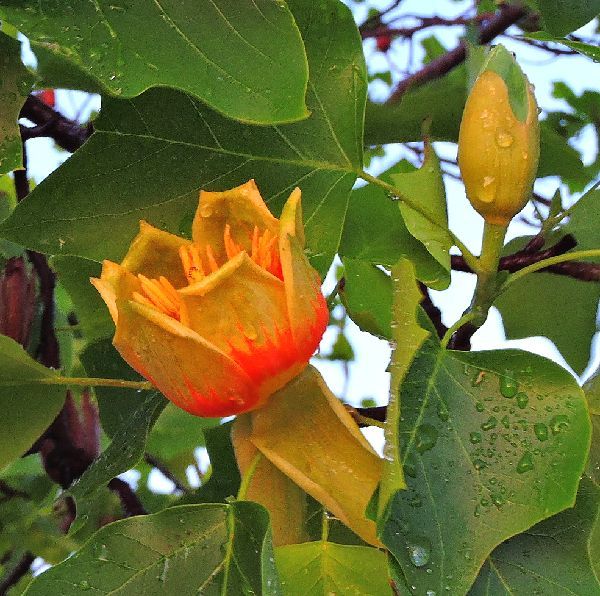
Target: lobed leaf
{"points": [[28, 407], [492, 443], [120, 45], [152, 154], [189, 549]]}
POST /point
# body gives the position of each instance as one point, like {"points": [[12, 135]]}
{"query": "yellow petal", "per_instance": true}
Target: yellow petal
{"points": [[242, 208], [291, 218], [154, 252], [187, 369], [306, 306], [305, 431], [241, 309], [237, 305], [281, 497], [115, 283]]}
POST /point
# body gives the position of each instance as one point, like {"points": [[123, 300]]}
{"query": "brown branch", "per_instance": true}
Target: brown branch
{"points": [[129, 500], [68, 134], [527, 256], [432, 311], [424, 23], [16, 573], [162, 468], [508, 15], [376, 413]]}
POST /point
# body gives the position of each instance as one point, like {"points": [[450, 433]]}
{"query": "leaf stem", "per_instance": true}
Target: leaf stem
{"points": [[468, 256], [81, 382], [247, 478], [486, 288], [466, 318], [569, 256]]}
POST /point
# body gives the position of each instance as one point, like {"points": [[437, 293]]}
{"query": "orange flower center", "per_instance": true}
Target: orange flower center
{"points": [[197, 264]]}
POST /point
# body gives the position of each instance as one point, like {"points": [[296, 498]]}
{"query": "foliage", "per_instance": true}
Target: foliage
{"points": [[489, 481]]}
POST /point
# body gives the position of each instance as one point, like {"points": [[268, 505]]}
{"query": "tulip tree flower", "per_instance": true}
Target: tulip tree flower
{"points": [[219, 323]]}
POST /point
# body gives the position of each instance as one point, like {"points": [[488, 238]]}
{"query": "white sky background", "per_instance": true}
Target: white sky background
{"points": [[367, 374]]}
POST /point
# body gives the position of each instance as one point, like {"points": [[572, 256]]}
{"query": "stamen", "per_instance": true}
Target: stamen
{"points": [[254, 254], [211, 258], [192, 264], [159, 294], [231, 247]]}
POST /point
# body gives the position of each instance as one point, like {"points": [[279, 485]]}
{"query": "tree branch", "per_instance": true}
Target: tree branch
{"points": [[160, 466], [519, 260], [129, 500], [68, 134], [508, 15], [16, 573]]}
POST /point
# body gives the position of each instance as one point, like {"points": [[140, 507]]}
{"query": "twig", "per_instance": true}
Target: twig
{"points": [[519, 260], [16, 573], [432, 311], [162, 468], [508, 15], [378, 413], [68, 134], [129, 500]]}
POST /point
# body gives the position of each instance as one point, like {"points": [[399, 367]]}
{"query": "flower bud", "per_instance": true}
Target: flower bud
{"points": [[17, 300], [499, 140]]}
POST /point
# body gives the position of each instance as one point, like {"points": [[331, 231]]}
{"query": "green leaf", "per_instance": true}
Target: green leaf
{"points": [[249, 64], [375, 231], [366, 296], [224, 480], [74, 275], [586, 49], [564, 310], [152, 154], [591, 389], [176, 432], [125, 451], [190, 549], [582, 219], [116, 406], [441, 100], [492, 443], [426, 187], [560, 555], [15, 84], [320, 568], [27, 406], [560, 17], [503, 63], [407, 338], [557, 157]]}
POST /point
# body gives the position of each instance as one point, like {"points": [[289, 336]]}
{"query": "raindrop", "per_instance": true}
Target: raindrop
{"points": [[206, 210], [525, 463], [541, 431], [479, 464], [479, 406], [84, 585], [522, 400], [504, 139], [508, 386], [442, 412], [559, 423], [478, 378], [505, 422], [490, 423], [475, 438], [418, 554], [498, 499], [427, 436]]}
